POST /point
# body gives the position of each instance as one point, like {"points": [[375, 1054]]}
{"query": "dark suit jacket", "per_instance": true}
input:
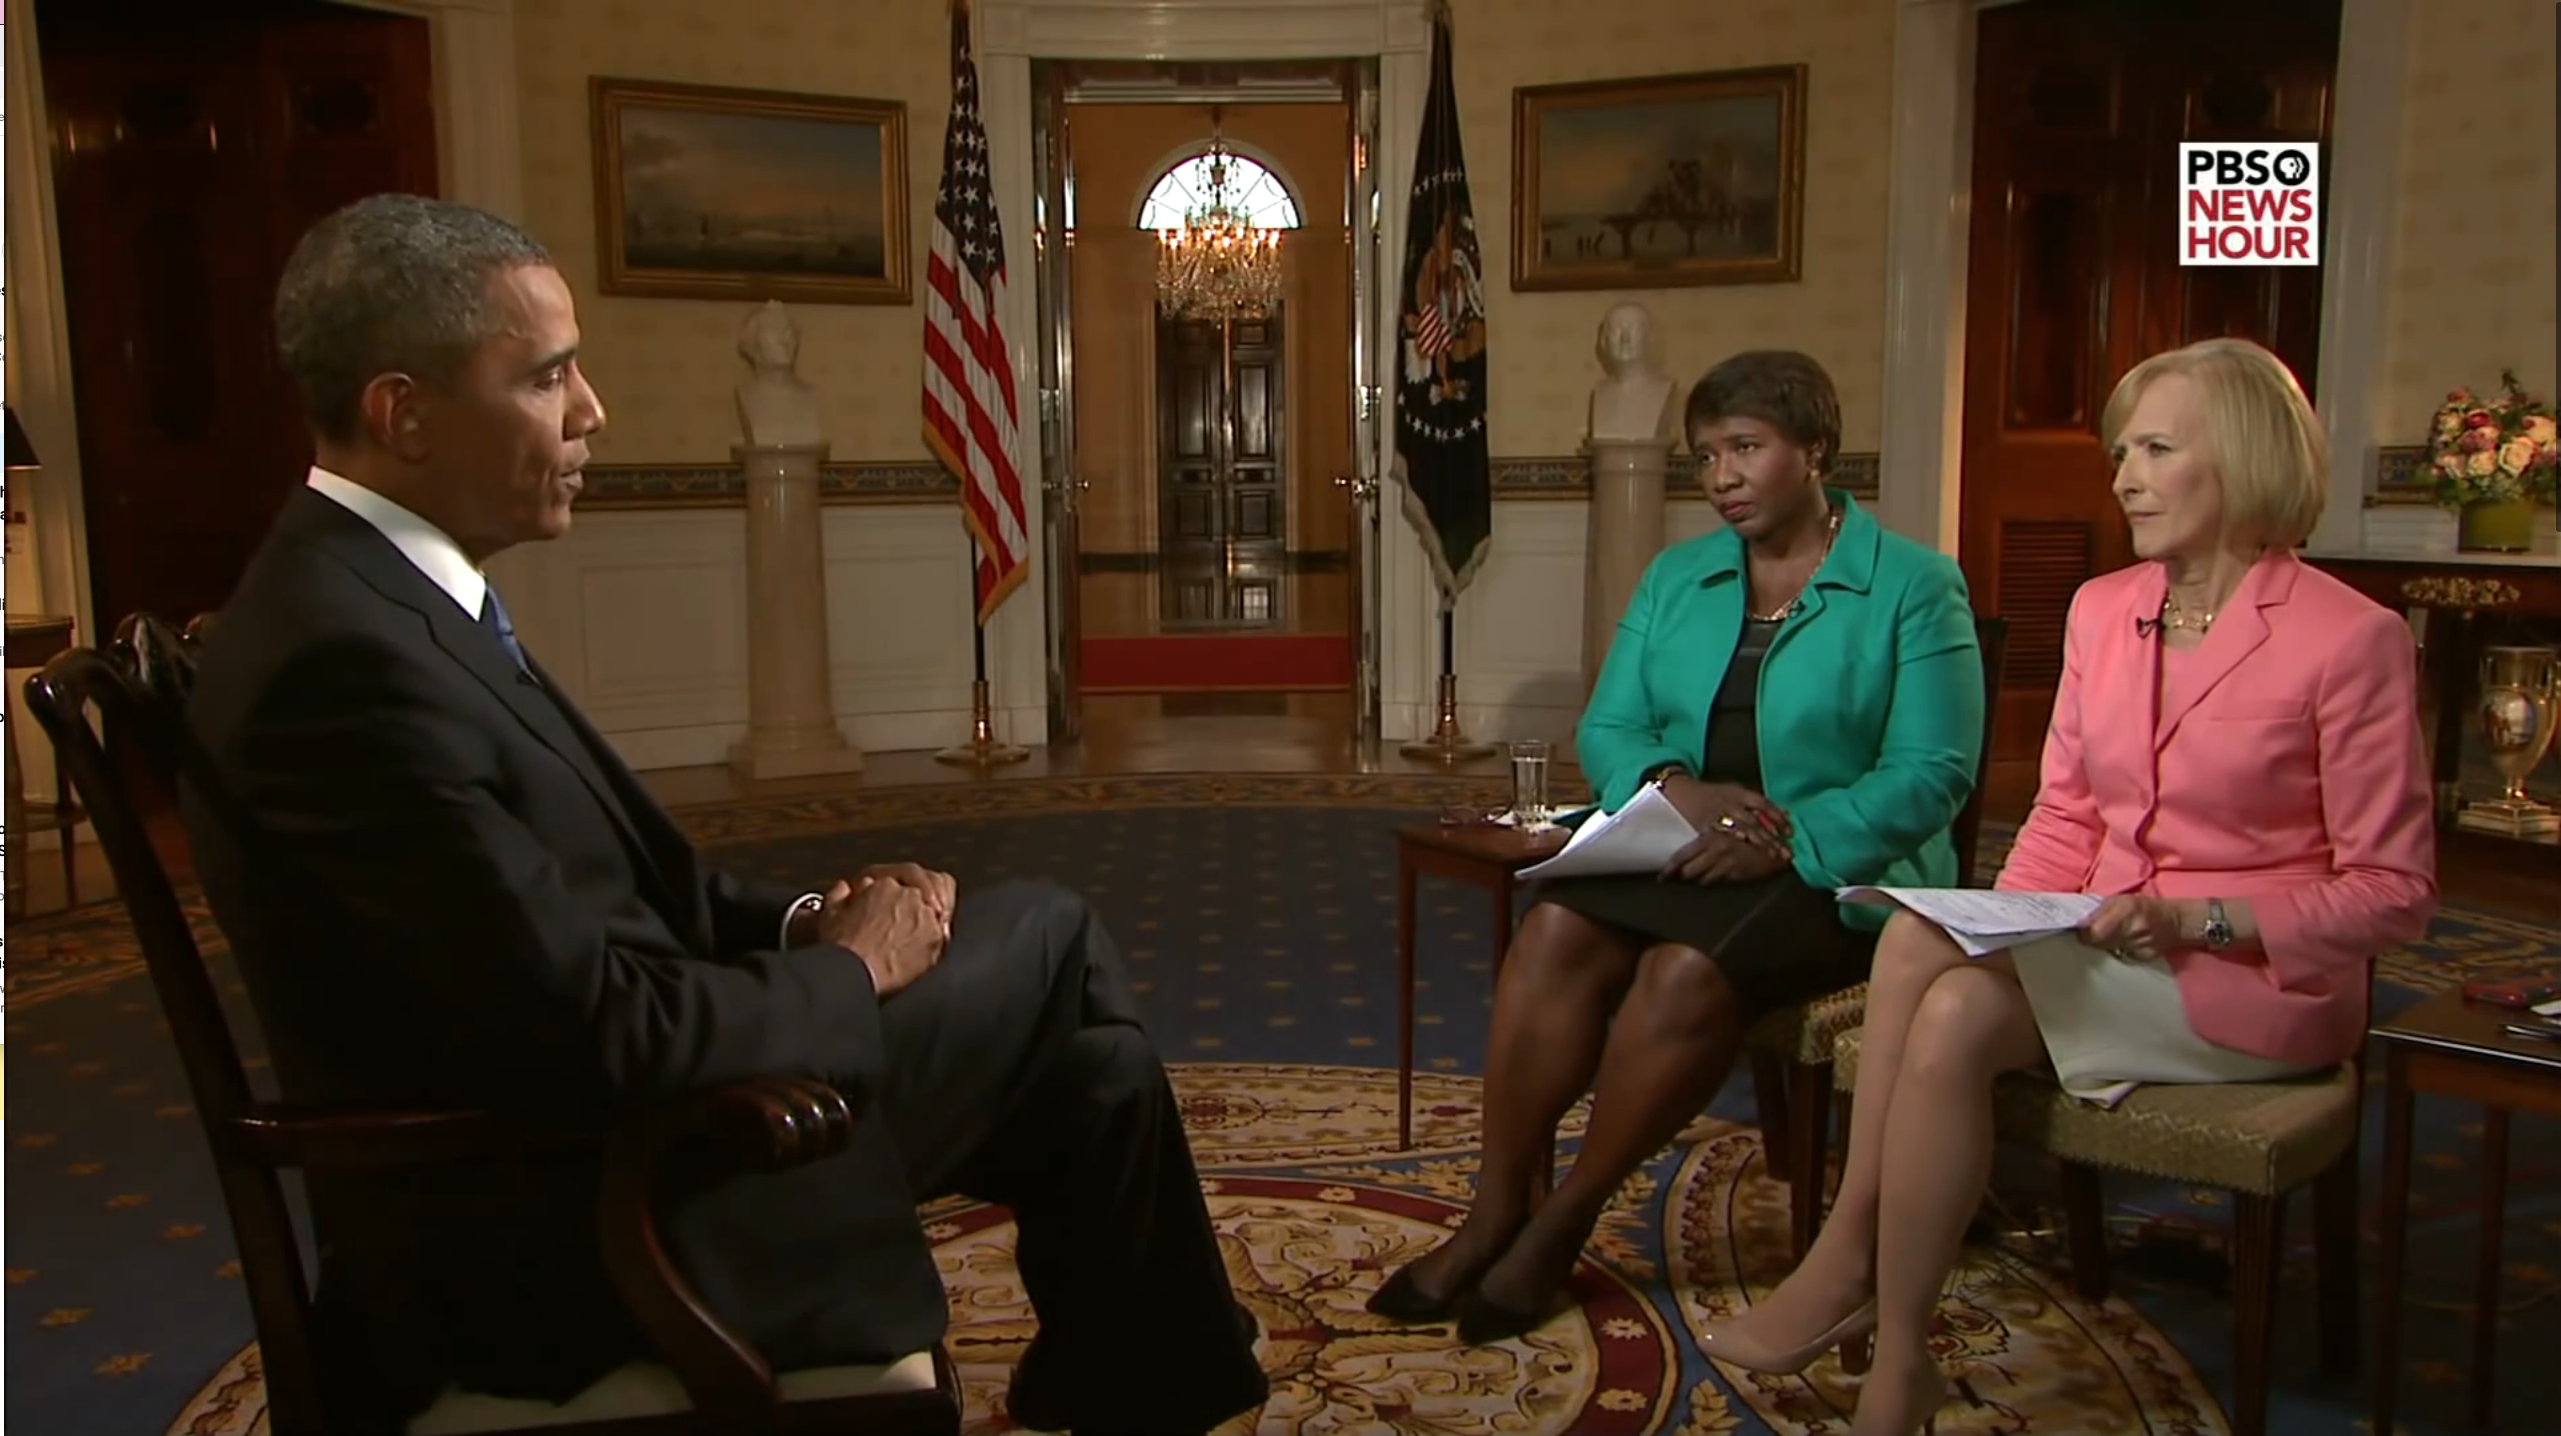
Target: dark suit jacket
{"points": [[445, 890]]}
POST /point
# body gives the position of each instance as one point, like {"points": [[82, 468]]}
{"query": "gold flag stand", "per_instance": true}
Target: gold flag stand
{"points": [[1447, 743], [982, 750]]}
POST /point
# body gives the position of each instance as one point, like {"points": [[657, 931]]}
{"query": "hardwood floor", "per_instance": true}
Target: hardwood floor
{"points": [[1234, 737]]}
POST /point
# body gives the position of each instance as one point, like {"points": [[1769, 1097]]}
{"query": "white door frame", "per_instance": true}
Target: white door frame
{"points": [[1011, 34], [1929, 212]]}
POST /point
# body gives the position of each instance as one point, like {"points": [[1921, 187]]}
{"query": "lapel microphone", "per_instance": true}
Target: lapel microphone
{"points": [[2151, 627]]}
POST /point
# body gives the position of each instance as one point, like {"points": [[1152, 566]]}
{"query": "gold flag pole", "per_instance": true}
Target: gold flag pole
{"points": [[1447, 742], [983, 750]]}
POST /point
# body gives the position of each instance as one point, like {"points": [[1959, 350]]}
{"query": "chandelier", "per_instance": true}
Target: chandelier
{"points": [[1219, 265]]}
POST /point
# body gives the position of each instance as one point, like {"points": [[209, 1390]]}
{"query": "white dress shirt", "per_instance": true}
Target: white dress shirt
{"points": [[430, 548]]}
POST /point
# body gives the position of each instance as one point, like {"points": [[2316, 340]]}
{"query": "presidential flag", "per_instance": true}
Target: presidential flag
{"points": [[969, 379], [1440, 392]]}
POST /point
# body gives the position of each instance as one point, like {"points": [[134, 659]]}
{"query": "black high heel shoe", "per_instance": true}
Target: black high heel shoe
{"points": [[1401, 1298], [1482, 1322]]}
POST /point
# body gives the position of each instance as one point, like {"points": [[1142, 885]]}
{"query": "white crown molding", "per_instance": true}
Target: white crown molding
{"points": [[1201, 29]]}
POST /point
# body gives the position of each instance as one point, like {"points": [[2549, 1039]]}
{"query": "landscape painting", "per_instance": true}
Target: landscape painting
{"points": [[1665, 182], [706, 193]]}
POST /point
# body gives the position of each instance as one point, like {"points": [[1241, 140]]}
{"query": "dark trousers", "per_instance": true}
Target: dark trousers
{"points": [[1017, 1074]]}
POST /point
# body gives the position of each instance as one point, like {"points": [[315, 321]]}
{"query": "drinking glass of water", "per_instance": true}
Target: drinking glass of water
{"points": [[1529, 786]]}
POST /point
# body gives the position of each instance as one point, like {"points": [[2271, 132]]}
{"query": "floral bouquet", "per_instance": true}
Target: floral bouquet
{"points": [[2497, 449]]}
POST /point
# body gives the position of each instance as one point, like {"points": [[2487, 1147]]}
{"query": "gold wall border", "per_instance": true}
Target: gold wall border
{"points": [[2400, 478]]}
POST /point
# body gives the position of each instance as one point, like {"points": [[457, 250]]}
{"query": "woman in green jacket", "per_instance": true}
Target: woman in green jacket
{"points": [[1807, 690]]}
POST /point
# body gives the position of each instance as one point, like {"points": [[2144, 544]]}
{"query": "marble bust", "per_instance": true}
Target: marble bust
{"points": [[776, 408], [1633, 400]]}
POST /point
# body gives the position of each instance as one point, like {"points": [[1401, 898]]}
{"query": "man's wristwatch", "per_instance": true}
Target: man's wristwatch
{"points": [[809, 904], [2218, 927]]}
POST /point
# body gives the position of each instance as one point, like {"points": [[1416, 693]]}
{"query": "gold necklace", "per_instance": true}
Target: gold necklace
{"points": [[2175, 616], [1831, 531]]}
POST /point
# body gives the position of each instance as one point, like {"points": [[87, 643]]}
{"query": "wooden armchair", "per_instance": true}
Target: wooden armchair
{"points": [[1791, 1048], [710, 1380]]}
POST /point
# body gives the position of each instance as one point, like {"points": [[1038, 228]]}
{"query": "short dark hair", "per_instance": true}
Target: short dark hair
{"points": [[1784, 389], [393, 283]]}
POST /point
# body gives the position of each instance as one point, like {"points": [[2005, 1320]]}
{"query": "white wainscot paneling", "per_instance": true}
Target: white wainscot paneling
{"points": [[1520, 625], [644, 617]]}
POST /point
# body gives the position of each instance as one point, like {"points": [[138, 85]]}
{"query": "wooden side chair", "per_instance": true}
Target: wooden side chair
{"points": [[2260, 1141], [1791, 1049], [707, 1379]]}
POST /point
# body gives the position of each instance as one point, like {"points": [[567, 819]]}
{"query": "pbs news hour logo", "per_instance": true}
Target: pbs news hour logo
{"points": [[2249, 204]]}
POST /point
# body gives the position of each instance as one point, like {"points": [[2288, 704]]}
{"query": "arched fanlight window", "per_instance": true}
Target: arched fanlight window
{"points": [[1254, 193]]}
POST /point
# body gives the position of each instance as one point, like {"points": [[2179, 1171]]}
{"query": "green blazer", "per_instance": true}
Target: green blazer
{"points": [[1870, 706]]}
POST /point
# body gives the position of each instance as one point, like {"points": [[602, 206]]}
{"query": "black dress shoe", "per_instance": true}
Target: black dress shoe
{"points": [[1482, 1322], [1030, 1404], [1400, 1298]]}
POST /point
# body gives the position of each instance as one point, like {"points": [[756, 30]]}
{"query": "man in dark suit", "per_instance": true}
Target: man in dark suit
{"points": [[445, 889]]}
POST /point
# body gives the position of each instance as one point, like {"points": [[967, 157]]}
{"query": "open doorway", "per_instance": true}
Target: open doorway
{"points": [[190, 153], [1217, 537], [2073, 274]]}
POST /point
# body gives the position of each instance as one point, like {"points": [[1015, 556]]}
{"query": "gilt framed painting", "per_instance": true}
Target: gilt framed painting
{"points": [[709, 193], [1664, 182]]}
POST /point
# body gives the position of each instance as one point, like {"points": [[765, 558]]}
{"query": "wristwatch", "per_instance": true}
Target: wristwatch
{"points": [[2218, 928], [1661, 771]]}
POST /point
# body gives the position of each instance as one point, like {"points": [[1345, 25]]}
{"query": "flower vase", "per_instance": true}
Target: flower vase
{"points": [[2496, 526]]}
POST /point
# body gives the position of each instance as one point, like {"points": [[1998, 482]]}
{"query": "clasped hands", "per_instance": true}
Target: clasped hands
{"points": [[896, 917], [1742, 836]]}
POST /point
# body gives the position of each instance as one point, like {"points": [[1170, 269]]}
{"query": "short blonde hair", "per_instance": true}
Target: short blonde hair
{"points": [[2268, 448]]}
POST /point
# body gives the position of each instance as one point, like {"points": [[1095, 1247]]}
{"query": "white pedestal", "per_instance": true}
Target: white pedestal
{"points": [[1625, 533], [791, 715]]}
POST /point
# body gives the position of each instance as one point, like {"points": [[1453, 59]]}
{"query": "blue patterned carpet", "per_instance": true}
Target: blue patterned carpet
{"points": [[1259, 915]]}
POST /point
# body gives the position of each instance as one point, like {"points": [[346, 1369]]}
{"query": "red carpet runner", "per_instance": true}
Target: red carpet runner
{"points": [[1198, 662]]}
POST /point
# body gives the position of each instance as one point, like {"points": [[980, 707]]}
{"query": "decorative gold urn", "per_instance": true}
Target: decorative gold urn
{"points": [[2520, 693]]}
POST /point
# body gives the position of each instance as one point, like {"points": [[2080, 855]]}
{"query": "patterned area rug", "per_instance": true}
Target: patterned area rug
{"points": [[1257, 915], [1313, 1205]]}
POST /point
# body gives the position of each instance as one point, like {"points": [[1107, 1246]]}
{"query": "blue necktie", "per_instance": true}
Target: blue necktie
{"points": [[493, 616]]}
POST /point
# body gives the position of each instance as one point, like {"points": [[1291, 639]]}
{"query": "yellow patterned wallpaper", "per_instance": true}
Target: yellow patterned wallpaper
{"points": [[2472, 288], [1543, 366], [666, 367]]}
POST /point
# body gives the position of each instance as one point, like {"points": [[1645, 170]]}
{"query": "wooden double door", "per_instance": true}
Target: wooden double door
{"points": [[192, 145], [2074, 275], [1223, 505]]}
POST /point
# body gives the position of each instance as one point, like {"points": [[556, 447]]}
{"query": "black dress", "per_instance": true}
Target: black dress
{"points": [[1778, 941]]}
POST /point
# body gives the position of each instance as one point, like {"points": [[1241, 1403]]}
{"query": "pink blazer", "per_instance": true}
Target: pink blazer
{"points": [[2286, 771]]}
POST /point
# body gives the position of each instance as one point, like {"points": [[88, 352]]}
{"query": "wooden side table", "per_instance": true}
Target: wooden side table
{"points": [[33, 640], [2453, 1048], [1479, 856]]}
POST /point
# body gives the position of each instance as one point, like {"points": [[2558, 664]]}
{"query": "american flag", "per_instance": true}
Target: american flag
{"points": [[969, 378]]}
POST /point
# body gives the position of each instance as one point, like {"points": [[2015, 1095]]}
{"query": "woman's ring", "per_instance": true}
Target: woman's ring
{"points": [[1727, 823]]}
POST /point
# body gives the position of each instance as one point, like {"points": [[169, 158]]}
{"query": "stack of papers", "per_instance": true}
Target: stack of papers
{"points": [[1637, 839], [1984, 922]]}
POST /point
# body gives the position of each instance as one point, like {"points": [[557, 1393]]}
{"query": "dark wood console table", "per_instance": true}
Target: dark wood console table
{"points": [[2469, 601]]}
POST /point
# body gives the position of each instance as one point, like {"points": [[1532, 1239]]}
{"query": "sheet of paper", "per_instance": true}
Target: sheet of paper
{"points": [[1982, 921], [1639, 838]]}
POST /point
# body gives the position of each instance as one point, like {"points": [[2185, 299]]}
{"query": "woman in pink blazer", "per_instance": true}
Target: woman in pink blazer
{"points": [[2234, 765]]}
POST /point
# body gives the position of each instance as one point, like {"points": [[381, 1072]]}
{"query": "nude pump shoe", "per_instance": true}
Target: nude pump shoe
{"points": [[1721, 1341]]}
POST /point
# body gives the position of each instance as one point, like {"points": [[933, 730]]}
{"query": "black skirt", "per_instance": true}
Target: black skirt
{"points": [[1778, 942]]}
